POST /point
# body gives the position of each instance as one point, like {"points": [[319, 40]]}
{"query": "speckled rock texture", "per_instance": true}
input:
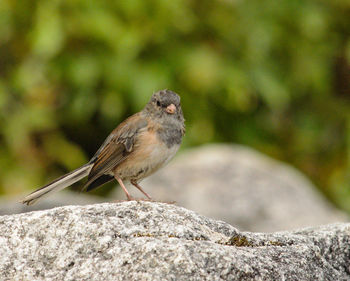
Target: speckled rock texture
{"points": [[157, 241]]}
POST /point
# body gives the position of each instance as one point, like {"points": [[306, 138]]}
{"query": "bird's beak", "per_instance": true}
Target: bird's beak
{"points": [[171, 109]]}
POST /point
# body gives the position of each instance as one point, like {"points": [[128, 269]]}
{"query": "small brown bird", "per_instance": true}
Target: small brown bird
{"points": [[138, 147]]}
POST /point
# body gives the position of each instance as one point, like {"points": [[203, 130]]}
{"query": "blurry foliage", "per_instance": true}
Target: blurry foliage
{"points": [[274, 75]]}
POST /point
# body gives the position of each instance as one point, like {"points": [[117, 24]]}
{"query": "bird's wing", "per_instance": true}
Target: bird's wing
{"points": [[117, 147]]}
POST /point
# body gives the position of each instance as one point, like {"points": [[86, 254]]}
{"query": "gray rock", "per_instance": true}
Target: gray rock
{"points": [[241, 186], [156, 241], [10, 205]]}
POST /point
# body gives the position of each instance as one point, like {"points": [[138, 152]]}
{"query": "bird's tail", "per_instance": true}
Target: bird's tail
{"points": [[58, 184]]}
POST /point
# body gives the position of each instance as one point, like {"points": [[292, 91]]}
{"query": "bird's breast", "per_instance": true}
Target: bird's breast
{"points": [[149, 154]]}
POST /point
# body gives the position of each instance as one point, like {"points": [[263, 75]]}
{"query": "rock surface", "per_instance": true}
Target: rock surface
{"points": [[9, 206], [240, 186], [157, 241]]}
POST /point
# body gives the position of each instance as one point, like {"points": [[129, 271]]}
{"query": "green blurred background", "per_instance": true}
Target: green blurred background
{"points": [[273, 75]]}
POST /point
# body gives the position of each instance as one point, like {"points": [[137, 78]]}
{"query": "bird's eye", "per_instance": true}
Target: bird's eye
{"points": [[158, 103]]}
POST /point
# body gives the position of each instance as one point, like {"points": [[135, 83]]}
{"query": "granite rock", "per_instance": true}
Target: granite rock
{"points": [[10, 205], [157, 241]]}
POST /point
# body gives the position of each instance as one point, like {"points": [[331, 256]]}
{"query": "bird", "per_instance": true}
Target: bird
{"points": [[135, 149]]}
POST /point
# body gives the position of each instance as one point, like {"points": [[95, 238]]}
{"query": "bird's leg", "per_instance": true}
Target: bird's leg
{"points": [[134, 183], [123, 187]]}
